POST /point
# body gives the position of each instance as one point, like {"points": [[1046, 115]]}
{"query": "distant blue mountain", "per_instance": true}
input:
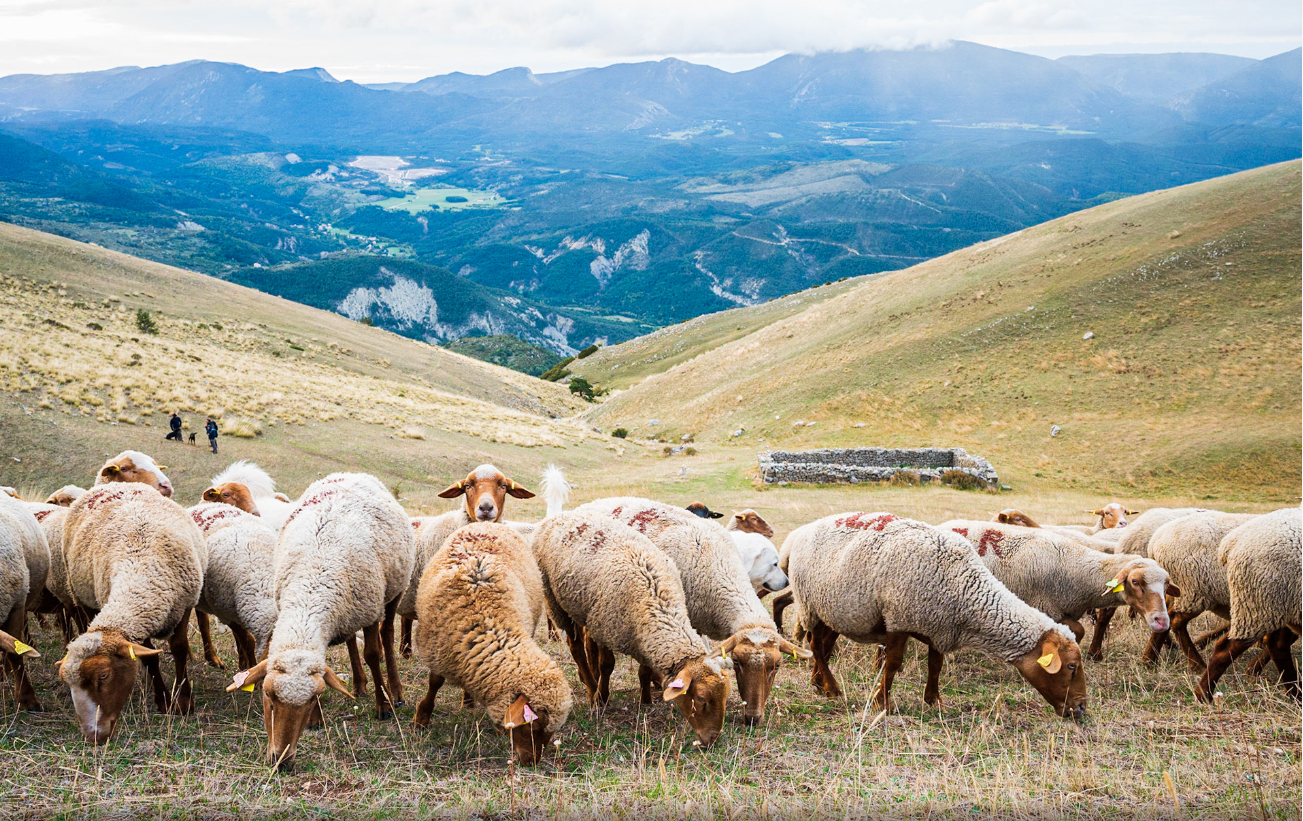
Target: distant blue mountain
{"points": [[1268, 93], [1156, 78]]}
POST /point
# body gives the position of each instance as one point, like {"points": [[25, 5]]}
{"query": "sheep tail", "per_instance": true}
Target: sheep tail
{"points": [[556, 490]]}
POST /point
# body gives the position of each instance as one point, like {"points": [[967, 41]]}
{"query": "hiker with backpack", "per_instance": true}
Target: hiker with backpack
{"points": [[175, 424], [210, 427]]}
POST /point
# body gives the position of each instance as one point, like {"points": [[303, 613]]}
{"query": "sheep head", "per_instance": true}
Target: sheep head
{"points": [[1145, 587], [1054, 668], [1013, 516], [134, 466], [756, 654], [100, 670], [698, 509], [528, 730], [700, 691], [292, 681], [236, 494], [486, 490], [748, 521], [1112, 515], [65, 496]]}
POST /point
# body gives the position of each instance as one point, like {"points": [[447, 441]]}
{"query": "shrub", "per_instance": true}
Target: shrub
{"points": [[145, 322], [558, 371], [582, 387], [962, 480], [366, 320], [904, 478], [94, 326], [587, 352], [620, 433], [412, 433], [689, 451], [243, 428]]}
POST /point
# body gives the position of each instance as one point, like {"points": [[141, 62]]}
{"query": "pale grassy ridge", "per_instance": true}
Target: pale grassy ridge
{"points": [[1189, 384]]}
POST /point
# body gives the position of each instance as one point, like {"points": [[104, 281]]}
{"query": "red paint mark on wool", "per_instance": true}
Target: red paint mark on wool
{"points": [[41, 514], [643, 518], [855, 522], [315, 499], [206, 518], [962, 531], [991, 540], [98, 498], [416, 525], [615, 514]]}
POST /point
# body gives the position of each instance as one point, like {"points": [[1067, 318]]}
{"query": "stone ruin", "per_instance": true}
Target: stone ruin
{"points": [[855, 465]]}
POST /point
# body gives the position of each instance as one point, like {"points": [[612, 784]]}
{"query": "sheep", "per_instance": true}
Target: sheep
{"points": [[343, 559], [1111, 515], [239, 582], [480, 599], [136, 560], [484, 491], [65, 496], [878, 578], [1141, 529], [134, 466], [719, 595], [260, 497], [748, 521], [1262, 562], [1186, 547], [1064, 579], [36, 549], [760, 559], [57, 598], [605, 580], [699, 509], [15, 589]]}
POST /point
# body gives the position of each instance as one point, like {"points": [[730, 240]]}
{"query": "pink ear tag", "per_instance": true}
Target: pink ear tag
{"points": [[530, 715], [678, 682]]}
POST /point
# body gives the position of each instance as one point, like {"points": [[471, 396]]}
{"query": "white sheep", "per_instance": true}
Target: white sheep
{"points": [[1186, 547], [344, 557], [57, 597], [263, 500], [880, 579], [136, 560], [15, 587], [1262, 561], [134, 466], [240, 581], [480, 600]]}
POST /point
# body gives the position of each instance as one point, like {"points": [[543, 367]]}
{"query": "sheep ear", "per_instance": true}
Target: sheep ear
{"points": [[1172, 590], [245, 679], [138, 651], [519, 714], [333, 682], [452, 491], [282, 497], [519, 492], [1099, 512], [212, 495], [9, 644], [161, 467], [1050, 660], [110, 470], [678, 686], [786, 646], [1133, 513], [725, 648]]}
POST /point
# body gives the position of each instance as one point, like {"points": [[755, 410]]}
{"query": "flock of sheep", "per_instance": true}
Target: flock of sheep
{"points": [[123, 564]]}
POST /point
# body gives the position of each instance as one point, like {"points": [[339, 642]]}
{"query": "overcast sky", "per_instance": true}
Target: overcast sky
{"points": [[392, 40]]}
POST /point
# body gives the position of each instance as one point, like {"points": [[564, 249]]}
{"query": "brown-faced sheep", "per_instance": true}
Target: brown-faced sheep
{"points": [[134, 466]]}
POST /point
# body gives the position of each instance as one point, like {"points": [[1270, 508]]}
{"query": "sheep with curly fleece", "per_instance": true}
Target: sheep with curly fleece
{"points": [[880, 579], [721, 601], [344, 557], [240, 582], [134, 466], [1137, 535], [15, 589], [251, 489], [36, 548], [1186, 547], [603, 579], [480, 600], [136, 560], [1064, 579], [57, 597], [1262, 561]]}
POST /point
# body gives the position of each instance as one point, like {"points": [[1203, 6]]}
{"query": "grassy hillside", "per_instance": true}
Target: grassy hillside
{"points": [[1190, 383], [309, 390]]}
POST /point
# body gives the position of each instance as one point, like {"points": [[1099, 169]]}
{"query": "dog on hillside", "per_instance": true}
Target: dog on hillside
{"points": [[192, 439]]}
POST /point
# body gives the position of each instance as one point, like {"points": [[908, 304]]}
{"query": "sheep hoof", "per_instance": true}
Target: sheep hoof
{"points": [[384, 715]]}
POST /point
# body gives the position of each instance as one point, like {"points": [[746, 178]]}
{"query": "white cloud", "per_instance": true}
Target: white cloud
{"points": [[378, 40]]}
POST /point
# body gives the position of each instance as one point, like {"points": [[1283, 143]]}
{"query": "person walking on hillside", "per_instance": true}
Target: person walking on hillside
{"points": [[175, 424], [210, 428]]}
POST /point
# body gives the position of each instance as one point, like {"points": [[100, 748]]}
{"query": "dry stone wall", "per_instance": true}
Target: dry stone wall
{"points": [[854, 465]]}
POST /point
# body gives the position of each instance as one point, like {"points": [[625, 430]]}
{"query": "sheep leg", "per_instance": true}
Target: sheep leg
{"points": [[1077, 630], [405, 639], [391, 661], [781, 601], [179, 644], [371, 652], [206, 636], [316, 720], [1154, 647], [162, 698], [244, 646], [1103, 616], [23, 692], [426, 708], [65, 624], [1224, 654], [1204, 639], [355, 662], [645, 678], [605, 660], [822, 641], [1264, 658], [893, 652], [81, 618], [1279, 644], [577, 652], [932, 692], [1181, 633]]}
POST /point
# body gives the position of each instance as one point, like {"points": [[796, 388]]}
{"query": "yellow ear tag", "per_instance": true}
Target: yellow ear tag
{"points": [[248, 688], [131, 651], [21, 648], [1114, 586], [1045, 660]]}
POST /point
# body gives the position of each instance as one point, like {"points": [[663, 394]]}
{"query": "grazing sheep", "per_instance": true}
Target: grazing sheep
{"points": [[480, 599], [1262, 561], [606, 580], [36, 549], [15, 589], [760, 558], [344, 557], [240, 582], [65, 496], [134, 466], [1065, 579], [1135, 540], [720, 598], [57, 597], [1111, 515], [251, 489], [136, 560], [748, 521], [699, 509], [880, 579], [1186, 547], [484, 490]]}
